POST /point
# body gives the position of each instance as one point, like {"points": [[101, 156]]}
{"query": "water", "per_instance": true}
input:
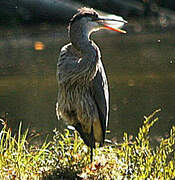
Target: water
{"points": [[140, 69]]}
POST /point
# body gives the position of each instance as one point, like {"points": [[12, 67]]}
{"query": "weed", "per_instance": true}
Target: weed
{"points": [[66, 156]]}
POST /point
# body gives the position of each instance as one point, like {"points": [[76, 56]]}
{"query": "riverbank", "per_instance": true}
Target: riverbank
{"points": [[66, 156]]}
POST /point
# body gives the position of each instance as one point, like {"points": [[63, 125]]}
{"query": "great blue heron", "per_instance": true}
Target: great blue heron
{"points": [[83, 97]]}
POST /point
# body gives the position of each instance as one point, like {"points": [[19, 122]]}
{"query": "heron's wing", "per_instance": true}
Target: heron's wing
{"points": [[100, 92]]}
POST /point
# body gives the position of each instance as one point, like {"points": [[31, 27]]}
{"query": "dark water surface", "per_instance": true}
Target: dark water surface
{"points": [[140, 68]]}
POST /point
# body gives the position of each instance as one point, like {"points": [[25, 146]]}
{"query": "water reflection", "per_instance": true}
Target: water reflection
{"points": [[140, 69]]}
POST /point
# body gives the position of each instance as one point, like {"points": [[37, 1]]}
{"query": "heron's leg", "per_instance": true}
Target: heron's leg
{"points": [[92, 142]]}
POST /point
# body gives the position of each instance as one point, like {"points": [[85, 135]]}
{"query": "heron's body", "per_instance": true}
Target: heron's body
{"points": [[81, 103], [83, 97]]}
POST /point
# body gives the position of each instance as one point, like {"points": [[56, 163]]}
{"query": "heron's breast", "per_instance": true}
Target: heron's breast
{"points": [[78, 99]]}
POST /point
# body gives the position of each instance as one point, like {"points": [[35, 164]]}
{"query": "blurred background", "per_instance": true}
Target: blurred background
{"points": [[140, 64]]}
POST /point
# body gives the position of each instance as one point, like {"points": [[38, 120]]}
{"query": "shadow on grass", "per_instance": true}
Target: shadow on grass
{"points": [[57, 175]]}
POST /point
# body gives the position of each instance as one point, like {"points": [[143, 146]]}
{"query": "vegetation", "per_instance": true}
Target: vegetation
{"points": [[66, 157]]}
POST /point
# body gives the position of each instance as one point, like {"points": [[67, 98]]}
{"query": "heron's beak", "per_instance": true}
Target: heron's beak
{"points": [[112, 22]]}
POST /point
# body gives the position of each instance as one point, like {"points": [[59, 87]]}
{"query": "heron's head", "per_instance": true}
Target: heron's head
{"points": [[88, 20]]}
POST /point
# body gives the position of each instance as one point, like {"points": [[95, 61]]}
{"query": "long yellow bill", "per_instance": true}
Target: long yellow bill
{"points": [[112, 22]]}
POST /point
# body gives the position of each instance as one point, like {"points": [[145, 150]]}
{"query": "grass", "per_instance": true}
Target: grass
{"points": [[18, 160], [66, 157]]}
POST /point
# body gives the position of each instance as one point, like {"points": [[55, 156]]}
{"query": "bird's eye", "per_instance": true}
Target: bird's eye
{"points": [[95, 18]]}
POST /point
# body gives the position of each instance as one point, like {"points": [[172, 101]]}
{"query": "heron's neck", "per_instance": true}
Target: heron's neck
{"points": [[79, 38]]}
